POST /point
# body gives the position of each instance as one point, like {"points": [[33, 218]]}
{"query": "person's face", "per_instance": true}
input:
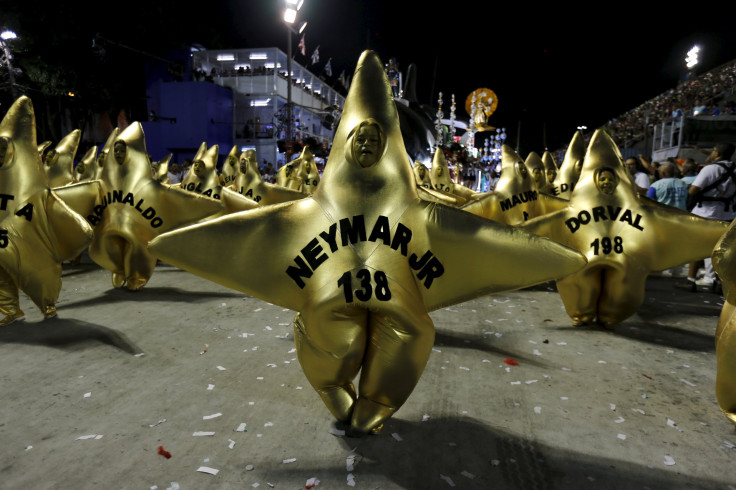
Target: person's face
{"points": [[243, 164], [51, 157], [5, 151], [631, 165], [80, 168], [551, 174], [538, 176], [366, 146], [231, 160], [422, 173], [198, 168], [521, 169], [119, 150], [607, 182]]}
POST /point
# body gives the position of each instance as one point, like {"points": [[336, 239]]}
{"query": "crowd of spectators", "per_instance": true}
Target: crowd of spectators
{"points": [[706, 95]]}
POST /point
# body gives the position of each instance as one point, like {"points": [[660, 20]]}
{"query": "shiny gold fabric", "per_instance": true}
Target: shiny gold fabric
{"points": [[85, 169], [161, 169], [38, 231], [421, 175], [363, 260], [550, 169], [202, 179], [59, 162], [515, 198], [127, 208], [623, 236], [724, 263], [440, 178], [308, 171], [250, 183], [230, 167], [572, 165]]}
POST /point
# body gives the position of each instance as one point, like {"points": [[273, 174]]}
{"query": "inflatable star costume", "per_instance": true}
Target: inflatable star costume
{"points": [[363, 260]]}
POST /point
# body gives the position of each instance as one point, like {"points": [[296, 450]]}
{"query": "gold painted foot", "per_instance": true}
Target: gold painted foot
{"points": [[10, 318], [117, 280], [49, 311]]}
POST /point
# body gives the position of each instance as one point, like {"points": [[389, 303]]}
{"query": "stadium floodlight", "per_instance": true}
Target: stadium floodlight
{"points": [[692, 57]]}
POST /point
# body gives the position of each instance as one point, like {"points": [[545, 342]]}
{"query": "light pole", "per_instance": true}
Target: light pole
{"points": [[7, 58], [291, 7]]}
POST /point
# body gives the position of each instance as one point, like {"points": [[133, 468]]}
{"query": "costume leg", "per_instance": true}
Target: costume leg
{"points": [[9, 301], [399, 345], [139, 266], [330, 341], [726, 362], [580, 293], [43, 286], [622, 295]]}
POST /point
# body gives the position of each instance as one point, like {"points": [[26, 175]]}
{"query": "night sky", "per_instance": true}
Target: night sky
{"points": [[553, 68]]}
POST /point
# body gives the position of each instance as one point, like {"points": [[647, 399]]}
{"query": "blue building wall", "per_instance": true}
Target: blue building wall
{"points": [[186, 115]]}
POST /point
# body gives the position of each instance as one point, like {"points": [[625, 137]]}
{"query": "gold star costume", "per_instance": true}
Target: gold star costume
{"points": [[287, 176], [161, 169], [308, 172], [230, 167], [127, 208], [550, 169], [42, 147], [59, 162], [624, 238], [572, 165], [421, 175], [250, 183], [202, 179], [538, 169], [85, 169], [724, 263], [515, 198], [363, 260], [440, 177], [38, 231]]}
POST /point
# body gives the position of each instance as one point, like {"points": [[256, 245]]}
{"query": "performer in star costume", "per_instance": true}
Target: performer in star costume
{"points": [[202, 179], [440, 177], [572, 165], [515, 198], [623, 236], [363, 260], [724, 263], [59, 162], [550, 169], [160, 169], [127, 208], [85, 169], [250, 183], [538, 169], [421, 175], [38, 231], [230, 167], [287, 175], [308, 172]]}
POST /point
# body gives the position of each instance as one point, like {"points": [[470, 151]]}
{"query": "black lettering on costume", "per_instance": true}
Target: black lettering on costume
{"points": [[564, 187], [330, 236], [117, 196], [5, 198], [418, 264], [515, 201], [599, 214], [207, 193], [613, 214], [312, 253], [26, 211], [352, 232], [149, 213], [381, 230], [138, 206], [573, 224], [584, 218], [93, 220], [98, 210], [129, 199], [401, 238], [296, 273], [506, 204], [636, 224], [430, 271], [156, 222]]}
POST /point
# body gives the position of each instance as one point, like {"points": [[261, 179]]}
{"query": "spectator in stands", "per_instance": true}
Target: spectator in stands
{"points": [[713, 192], [641, 178], [689, 171], [669, 190]]}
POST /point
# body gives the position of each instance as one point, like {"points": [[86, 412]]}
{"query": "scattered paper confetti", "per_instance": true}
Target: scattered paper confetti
{"points": [[157, 423], [511, 362], [531, 381], [425, 417], [28, 448], [536, 352], [213, 416], [210, 387], [290, 460], [396, 436], [350, 463], [351, 480], [671, 423], [208, 470], [669, 460], [729, 445], [687, 382], [495, 462], [537, 409], [602, 362], [90, 436], [221, 368], [249, 467], [468, 475], [203, 433], [619, 420], [622, 437], [516, 382], [564, 398], [613, 406], [163, 452], [448, 480], [88, 394], [464, 368], [240, 428], [639, 410], [311, 483], [257, 309], [337, 432], [268, 424], [231, 444], [140, 354], [561, 343]]}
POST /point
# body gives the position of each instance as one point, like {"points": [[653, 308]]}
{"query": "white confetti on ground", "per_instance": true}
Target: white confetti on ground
{"points": [[213, 416], [351, 480], [290, 460], [467, 474], [464, 368], [619, 420], [448, 480], [622, 437], [531, 381], [221, 368], [669, 460], [425, 417], [536, 352], [613, 406], [240, 428], [516, 382], [687, 382], [88, 394], [203, 433], [210, 387], [89, 436], [208, 470], [312, 482], [231, 444], [396, 436], [537, 409]]}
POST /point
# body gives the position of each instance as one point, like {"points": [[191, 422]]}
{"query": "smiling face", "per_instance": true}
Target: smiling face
{"points": [[198, 168], [367, 146], [606, 181], [521, 170], [551, 174]]}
